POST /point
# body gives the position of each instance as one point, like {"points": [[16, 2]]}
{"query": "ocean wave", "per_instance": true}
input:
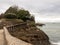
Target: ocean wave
{"points": [[55, 43]]}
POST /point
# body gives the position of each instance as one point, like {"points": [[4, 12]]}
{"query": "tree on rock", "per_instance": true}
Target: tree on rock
{"points": [[12, 9], [15, 12]]}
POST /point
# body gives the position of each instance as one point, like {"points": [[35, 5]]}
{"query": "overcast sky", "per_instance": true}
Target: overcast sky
{"points": [[44, 10]]}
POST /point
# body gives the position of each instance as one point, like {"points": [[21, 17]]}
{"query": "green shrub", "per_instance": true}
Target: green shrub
{"points": [[10, 16], [15, 12]]}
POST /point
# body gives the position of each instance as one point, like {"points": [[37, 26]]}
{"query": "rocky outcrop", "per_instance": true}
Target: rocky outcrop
{"points": [[30, 34], [21, 24]]}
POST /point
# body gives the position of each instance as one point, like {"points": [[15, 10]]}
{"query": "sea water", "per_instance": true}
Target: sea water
{"points": [[53, 31]]}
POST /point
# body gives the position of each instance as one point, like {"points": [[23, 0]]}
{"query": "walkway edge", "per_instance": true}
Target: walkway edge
{"points": [[13, 40]]}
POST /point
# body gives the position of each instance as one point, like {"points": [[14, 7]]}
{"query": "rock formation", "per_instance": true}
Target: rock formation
{"points": [[21, 24], [27, 32]]}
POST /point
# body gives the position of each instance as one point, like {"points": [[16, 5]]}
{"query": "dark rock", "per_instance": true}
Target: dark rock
{"points": [[39, 24]]}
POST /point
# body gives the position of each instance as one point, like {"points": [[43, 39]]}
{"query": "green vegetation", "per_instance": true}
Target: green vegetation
{"points": [[12, 9], [16, 13], [10, 16]]}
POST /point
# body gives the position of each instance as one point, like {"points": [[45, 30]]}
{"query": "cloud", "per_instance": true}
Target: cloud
{"points": [[42, 9], [52, 8]]}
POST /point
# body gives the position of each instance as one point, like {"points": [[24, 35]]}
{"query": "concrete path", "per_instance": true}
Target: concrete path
{"points": [[7, 39], [2, 37]]}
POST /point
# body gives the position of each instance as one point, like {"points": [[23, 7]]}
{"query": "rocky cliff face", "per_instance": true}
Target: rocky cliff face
{"points": [[28, 32]]}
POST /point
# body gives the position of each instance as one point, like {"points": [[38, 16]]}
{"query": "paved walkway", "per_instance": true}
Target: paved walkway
{"points": [[5, 36], [2, 37]]}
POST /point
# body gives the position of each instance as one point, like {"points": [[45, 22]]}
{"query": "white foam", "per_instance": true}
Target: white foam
{"points": [[55, 43]]}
